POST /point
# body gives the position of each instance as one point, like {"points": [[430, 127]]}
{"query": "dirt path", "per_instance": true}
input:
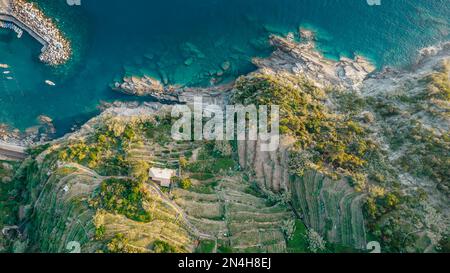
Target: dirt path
{"points": [[181, 212]]}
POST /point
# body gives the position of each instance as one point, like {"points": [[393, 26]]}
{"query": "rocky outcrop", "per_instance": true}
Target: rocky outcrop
{"points": [[303, 59], [142, 86], [149, 87]]}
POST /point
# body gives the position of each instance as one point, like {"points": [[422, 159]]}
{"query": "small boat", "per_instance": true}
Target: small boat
{"points": [[9, 78], [50, 83], [6, 72], [5, 66]]}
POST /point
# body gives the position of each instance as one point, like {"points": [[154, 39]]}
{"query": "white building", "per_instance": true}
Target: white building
{"points": [[163, 176]]}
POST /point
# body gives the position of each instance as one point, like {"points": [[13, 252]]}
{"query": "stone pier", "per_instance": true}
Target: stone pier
{"points": [[56, 49]]}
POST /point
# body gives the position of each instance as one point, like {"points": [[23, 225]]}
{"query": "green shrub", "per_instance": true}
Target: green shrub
{"points": [[120, 244], [439, 83], [185, 183], [124, 197], [333, 144], [206, 246], [140, 170], [163, 247], [299, 242]]}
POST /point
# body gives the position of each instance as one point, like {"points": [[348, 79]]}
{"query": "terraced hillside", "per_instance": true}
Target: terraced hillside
{"points": [[236, 216], [364, 162], [93, 189], [60, 213], [331, 207], [162, 155], [71, 198], [63, 213], [352, 166]]}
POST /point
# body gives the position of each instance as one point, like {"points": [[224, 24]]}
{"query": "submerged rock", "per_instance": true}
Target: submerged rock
{"points": [[226, 66], [307, 35], [45, 119], [189, 49], [139, 86], [189, 61]]}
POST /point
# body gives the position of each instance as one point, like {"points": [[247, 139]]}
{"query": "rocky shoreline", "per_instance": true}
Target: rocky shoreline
{"points": [[393, 109], [41, 133], [147, 86], [305, 60], [301, 59], [289, 55]]}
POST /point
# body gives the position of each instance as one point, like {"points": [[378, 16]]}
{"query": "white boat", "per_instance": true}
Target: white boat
{"points": [[6, 72], [5, 66], [9, 78], [50, 83]]}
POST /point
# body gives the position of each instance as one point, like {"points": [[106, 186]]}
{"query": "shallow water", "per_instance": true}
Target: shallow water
{"points": [[184, 41]]}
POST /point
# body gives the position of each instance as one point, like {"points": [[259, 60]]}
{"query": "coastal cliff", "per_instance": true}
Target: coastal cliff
{"points": [[363, 157], [391, 164], [318, 189]]}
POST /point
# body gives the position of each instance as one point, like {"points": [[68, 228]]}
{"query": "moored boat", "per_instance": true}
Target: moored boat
{"points": [[48, 82]]}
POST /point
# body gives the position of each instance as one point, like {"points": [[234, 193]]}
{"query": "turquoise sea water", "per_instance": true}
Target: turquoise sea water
{"points": [[157, 37]]}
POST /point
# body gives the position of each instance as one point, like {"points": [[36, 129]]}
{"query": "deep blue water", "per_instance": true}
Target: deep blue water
{"points": [[155, 37]]}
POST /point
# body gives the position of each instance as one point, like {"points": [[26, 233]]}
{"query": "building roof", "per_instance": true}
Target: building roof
{"points": [[157, 173]]}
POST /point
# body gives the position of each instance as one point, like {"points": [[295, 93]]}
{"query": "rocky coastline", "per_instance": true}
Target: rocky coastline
{"points": [[149, 87], [39, 134], [391, 108], [299, 58], [304, 59]]}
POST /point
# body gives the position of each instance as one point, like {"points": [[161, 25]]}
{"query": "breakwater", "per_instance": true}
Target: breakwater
{"points": [[26, 16]]}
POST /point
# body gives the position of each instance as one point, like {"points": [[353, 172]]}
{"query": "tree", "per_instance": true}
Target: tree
{"points": [[185, 183], [315, 241], [183, 162], [163, 247], [139, 170], [119, 244]]}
